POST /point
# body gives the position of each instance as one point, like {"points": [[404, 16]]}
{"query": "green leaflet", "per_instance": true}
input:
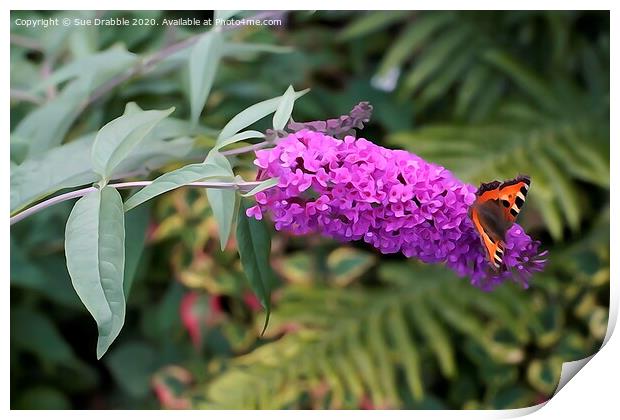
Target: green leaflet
{"points": [[34, 332], [203, 61], [175, 179], [241, 49], [223, 204], [284, 110], [411, 38], [100, 66], [435, 56], [252, 114], [135, 235], [244, 135], [406, 346], [47, 126], [371, 22], [38, 177], [222, 201], [436, 336], [254, 246], [115, 140], [95, 252], [529, 81], [268, 183]]}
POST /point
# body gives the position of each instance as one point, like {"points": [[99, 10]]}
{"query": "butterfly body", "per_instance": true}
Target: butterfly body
{"points": [[495, 210]]}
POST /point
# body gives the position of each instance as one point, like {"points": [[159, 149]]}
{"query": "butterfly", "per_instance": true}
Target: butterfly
{"points": [[495, 210]]}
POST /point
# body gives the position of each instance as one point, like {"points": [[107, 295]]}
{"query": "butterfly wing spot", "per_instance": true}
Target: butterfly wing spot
{"points": [[520, 199]]}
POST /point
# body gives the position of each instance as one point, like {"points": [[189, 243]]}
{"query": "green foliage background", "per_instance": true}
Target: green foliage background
{"points": [[487, 94]]}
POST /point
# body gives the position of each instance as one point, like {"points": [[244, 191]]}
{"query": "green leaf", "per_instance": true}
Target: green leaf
{"points": [[244, 135], [18, 149], [136, 223], [436, 337], [254, 248], [95, 252], [252, 114], [268, 183], [371, 22], [445, 77], [436, 56], [38, 177], [97, 67], [412, 38], [244, 48], [119, 137], [530, 82], [34, 332], [222, 201], [407, 348], [46, 276], [284, 110], [377, 343], [175, 179], [203, 62], [222, 204], [47, 126]]}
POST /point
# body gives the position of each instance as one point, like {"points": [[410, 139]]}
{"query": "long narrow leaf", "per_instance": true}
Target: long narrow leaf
{"points": [[115, 141], [252, 114], [244, 135], [284, 110], [222, 202], [95, 251], [266, 184], [203, 62], [254, 248]]}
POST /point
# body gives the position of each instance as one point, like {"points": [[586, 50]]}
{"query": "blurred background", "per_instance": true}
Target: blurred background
{"points": [[486, 94]]}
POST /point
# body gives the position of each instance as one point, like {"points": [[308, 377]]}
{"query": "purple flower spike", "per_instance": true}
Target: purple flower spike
{"points": [[352, 189]]}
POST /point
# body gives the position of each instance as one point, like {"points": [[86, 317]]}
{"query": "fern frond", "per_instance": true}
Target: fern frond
{"points": [[363, 343], [556, 146], [476, 53]]}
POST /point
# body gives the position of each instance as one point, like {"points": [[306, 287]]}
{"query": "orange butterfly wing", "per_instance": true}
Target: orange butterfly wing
{"points": [[495, 248], [510, 194], [495, 210]]}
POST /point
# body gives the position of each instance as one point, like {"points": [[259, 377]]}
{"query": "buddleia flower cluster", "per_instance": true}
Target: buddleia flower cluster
{"points": [[351, 189]]}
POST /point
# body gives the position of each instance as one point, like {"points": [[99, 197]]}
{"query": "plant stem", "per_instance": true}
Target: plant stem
{"points": [[79, 193], [123, 185]]}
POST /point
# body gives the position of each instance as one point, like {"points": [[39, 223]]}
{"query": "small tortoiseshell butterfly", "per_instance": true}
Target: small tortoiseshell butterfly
{"points": [[496, 208]]}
